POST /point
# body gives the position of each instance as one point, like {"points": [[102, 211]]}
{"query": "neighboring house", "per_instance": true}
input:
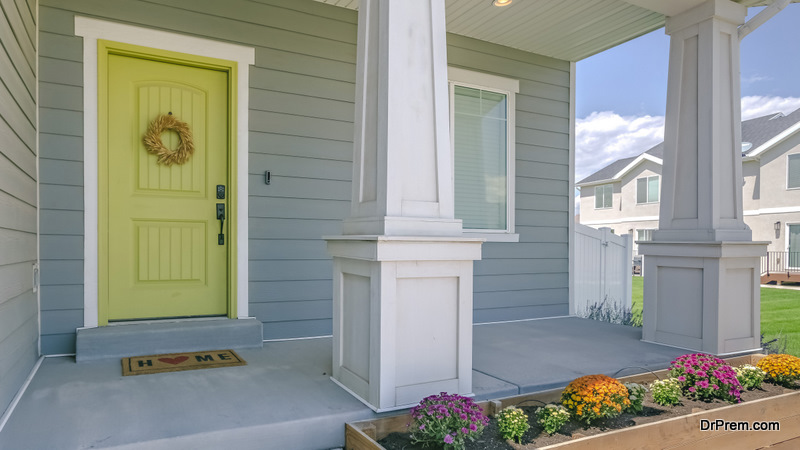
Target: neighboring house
{"points": [[277, 93], [624, 195]]}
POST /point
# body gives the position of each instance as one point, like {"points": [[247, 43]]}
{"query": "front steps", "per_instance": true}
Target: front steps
{"points": [[148, 338]]}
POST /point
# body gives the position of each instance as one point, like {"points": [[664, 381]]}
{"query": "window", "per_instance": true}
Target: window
{"points": [[644, 235], [482, 130], [603, 196], [647, 190], [793, 171]]}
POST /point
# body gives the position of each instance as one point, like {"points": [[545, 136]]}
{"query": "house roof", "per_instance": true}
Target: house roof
{"points": [[616, 169], [570, 30], [762, 132]]}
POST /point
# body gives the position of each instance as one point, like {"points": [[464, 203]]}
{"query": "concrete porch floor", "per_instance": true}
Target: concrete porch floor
{"points": [[283, 398]]}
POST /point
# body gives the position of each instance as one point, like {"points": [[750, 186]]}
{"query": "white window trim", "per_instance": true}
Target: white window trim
{"points": [[93, 29], [787, 172], [648, 190], [612, 196], [509, 87]]}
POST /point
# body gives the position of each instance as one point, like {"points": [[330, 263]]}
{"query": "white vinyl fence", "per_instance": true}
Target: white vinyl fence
{"points": [[603, 269]]}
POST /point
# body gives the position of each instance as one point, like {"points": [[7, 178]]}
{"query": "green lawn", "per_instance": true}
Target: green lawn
{"points": [[780, 313]]}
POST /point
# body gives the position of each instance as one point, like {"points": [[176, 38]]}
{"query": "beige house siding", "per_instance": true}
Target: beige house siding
{"points": [[629, 206], [751, 191], [774, 193], [765, 197]]}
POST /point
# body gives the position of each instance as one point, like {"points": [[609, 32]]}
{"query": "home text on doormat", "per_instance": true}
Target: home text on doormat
{"points": [[174, 362]]}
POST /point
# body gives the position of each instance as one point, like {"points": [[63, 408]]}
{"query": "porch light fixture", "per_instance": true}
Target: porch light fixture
{"points": [[778, 226], [501, 3]]}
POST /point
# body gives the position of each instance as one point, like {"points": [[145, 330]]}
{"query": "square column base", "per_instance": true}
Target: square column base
{"points": [[402, 317], [703, 296]]}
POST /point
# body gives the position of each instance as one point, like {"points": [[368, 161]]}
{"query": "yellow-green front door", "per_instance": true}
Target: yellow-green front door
{"points": [[164, 254]]}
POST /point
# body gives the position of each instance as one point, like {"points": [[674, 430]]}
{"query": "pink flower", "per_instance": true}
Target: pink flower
{"points": [[448, 439]]}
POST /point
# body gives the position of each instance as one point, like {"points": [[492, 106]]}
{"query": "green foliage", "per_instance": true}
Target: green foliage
{"points": [[552, 417], [780, 318], [750, 377], [513, 423], [666, 392], [636, 395]]}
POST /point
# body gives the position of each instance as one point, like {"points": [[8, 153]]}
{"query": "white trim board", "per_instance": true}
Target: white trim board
{"points": [[781, 210], [91, 30], [509, 87]]}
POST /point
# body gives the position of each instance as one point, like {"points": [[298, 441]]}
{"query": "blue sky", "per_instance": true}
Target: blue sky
{"points": [[621, 93]]}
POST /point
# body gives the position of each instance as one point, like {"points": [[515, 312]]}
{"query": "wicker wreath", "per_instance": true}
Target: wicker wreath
{"points": [[153, 144]]}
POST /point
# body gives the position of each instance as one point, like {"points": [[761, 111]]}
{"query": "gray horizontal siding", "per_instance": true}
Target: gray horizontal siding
{"points": [[301, 130], [528, 279], [19, 320], [61, 178]]}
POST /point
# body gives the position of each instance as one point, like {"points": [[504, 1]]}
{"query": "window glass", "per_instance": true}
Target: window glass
{"points": [[647, 189], [793, 175], [480, 131], [641, 190], [603, 196], [652, 189]]}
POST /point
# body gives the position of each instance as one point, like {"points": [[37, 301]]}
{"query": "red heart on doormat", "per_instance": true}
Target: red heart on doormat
{"points": [[176, 360]]}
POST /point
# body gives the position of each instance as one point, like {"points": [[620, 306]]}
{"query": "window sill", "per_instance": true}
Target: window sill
{"points": [[493, 237]]}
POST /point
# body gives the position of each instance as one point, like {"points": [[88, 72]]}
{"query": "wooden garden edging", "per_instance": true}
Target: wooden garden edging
{"points": [[678, 432]]}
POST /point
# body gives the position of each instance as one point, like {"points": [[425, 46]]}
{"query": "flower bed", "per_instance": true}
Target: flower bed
{"points": [[676, 430]]}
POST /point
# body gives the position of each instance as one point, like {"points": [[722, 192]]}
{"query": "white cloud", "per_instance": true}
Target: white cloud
{"points": [[757, 106], [604, 137], [755, 79]]}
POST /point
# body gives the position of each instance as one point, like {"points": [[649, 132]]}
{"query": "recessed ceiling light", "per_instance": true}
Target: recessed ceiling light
{"points": [[501, 2]]}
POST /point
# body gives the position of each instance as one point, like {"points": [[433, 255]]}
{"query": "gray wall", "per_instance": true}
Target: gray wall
{"points": [[19, 327], [301, 129]]}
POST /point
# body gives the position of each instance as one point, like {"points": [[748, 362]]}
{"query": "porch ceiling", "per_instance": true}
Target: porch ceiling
{"points": [[565, 29]]}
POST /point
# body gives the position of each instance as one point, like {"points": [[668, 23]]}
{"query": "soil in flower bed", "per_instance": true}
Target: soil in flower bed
{"points": [[535, 437]]}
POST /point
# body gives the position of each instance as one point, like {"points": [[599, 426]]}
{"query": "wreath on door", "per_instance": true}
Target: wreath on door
{"points": [[153, 144]]}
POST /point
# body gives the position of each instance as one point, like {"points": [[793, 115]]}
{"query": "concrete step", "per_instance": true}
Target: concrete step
{"points": [[148, 338]]}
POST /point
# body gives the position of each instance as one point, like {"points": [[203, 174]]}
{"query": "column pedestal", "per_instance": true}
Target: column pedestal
{"points": [[402, 317], [703, 296]]}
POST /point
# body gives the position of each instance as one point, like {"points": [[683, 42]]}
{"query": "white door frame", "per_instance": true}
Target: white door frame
{"points": [[91, 30]]}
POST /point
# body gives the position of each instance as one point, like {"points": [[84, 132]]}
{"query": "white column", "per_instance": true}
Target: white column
{"points": [[402, 272], [702, 178], [702, 268], [402, 173]]}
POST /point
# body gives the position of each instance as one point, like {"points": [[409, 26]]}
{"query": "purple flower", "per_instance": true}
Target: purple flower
{"points": [[422, 427], [448, 439], [464, 430], [473, 427]]}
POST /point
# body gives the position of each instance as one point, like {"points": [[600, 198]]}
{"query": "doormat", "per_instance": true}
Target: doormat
{"points": [[175, 362]]}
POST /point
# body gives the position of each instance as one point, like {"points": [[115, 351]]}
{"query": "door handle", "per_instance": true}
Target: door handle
{"points": [[221, 218]]}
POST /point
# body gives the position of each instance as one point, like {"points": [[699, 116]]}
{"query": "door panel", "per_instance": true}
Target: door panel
{"points": [[164, 259]]}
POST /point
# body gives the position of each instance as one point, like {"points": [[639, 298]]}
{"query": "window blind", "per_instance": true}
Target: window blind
{"points": [[480, 138]]}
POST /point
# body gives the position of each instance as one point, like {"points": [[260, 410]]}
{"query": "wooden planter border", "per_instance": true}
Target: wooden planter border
{"points": [[677, 432]]}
